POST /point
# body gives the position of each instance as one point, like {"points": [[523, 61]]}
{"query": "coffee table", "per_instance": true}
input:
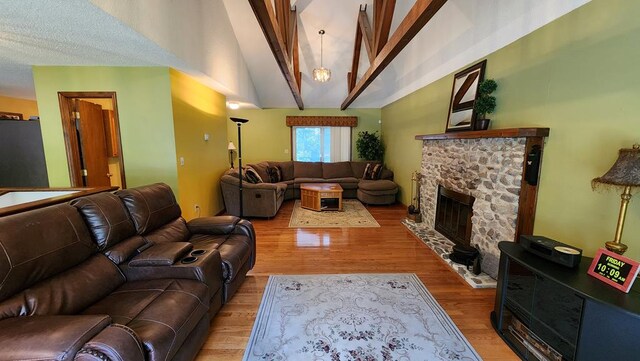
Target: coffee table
{"points": [[321, 196]]}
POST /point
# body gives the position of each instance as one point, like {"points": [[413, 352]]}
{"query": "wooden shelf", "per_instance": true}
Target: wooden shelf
{"points": [[493, 133]]}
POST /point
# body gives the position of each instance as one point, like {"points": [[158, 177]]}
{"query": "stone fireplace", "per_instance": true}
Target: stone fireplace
{"points": [[488, 166]]}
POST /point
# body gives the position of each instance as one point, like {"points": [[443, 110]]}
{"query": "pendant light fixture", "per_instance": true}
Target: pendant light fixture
{"points": [[321, 74]]}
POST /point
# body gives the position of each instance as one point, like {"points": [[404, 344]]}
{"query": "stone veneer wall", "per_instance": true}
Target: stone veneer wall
{"points": [[489, 169]]}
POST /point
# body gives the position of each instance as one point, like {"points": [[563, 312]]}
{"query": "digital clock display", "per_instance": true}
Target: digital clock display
{"points": [[613, 269]]}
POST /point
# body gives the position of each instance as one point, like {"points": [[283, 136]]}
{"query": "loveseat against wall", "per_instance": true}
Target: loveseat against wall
{"points": [[264, 199], [116, 277]]}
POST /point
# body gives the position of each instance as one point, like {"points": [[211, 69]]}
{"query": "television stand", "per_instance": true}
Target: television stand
{"points": [[543, 309]]}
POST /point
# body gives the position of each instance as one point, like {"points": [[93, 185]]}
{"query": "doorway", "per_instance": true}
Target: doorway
{"points": [[92, 138]]}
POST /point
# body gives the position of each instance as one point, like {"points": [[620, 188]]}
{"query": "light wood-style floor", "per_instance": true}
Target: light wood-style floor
{"points": [[388, 249]]}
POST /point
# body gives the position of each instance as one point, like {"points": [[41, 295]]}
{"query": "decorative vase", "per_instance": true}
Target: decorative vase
{"points": [[481, 124]]}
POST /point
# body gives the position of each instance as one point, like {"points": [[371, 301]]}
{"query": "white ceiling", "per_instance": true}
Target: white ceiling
{"points": [[197, 36]]}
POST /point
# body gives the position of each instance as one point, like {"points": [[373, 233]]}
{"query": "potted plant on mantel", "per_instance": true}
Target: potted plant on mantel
{"points": [[369, 146], [484, 104]]}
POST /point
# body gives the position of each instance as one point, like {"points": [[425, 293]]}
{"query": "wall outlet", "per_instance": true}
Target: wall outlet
{"points": [[197, 209], [286, 151], [181, 160]]}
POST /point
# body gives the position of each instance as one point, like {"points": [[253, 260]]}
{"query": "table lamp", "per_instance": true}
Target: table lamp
{"points": [[625, 173], [231, 147]]}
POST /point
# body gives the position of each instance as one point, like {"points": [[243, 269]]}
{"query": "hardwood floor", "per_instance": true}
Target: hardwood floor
{"points": [[388, 249]]}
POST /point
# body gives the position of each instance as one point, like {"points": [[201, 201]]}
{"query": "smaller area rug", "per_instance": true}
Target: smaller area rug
{"points": [[353, 317], [353, 214]]}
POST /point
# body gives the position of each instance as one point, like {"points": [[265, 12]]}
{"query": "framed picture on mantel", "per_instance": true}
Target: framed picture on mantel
{"points": [[463, 96]]}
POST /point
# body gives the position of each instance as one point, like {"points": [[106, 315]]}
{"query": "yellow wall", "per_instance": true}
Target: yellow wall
{"points": [[145, 114], [197, 110], [267, 137], [578, 76], [16, 105]]}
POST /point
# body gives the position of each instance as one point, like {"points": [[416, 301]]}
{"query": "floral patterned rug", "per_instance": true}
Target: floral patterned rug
{"points": [[353, 214], [353, 317]]}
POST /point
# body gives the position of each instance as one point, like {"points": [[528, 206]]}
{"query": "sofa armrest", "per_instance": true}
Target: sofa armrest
{"points": [[206, 268], [231, 180], [162, 254], [225, 225], [268, 186], [213, 225], [386, 174], [116, 343], [48, 337], [245, 227]]}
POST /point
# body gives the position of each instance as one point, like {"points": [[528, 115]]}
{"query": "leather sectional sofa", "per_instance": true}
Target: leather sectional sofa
{"points": [[116, 277], [264, 199]]}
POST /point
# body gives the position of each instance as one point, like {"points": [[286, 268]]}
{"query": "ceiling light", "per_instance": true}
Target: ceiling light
{"points": [[233, 105], [321, 74]]}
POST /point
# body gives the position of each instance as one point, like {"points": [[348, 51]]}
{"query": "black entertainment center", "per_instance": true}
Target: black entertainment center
{"points": [[546, 311]]}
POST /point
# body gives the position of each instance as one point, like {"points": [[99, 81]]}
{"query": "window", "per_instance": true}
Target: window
{"points": [[321, 144]]}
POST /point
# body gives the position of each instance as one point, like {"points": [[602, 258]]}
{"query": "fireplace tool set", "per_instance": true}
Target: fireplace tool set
{"points": [[413, 211]]}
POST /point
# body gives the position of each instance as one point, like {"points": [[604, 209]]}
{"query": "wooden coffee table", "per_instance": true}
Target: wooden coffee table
{"points": [[321, 196]]}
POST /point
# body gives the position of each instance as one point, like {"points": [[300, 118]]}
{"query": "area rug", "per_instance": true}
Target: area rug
{"points": [[353, 214], [353, 317]]}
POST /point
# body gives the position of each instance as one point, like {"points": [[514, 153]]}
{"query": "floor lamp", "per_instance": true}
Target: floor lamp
{"points": [[239, 122]]}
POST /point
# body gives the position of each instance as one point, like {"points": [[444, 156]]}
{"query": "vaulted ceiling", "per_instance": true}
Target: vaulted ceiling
{"points": [[220, 42]]}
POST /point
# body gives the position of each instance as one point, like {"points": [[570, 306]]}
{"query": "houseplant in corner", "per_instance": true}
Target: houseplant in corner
{"points": [[485, 103], [369, 146]]}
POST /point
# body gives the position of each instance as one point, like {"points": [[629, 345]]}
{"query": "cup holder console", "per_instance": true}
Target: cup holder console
{"points": [[198, 252], [189, 259]]}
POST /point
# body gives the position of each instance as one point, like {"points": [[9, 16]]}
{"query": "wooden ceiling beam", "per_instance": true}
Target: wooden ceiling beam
{"points": [[377, 10], [282, 18], [295, 57], [418, 16], [383, 25], [367, 36], [292, 29], [266, 17], [355, 61]]}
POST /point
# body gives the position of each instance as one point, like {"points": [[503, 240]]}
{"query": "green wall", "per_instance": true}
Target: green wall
{"points": [[579, 76], [144, 109], [266, 135]]}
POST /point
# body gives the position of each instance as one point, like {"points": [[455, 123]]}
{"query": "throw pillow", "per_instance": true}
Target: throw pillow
{"points": [[376, 171], [372, 171], [252, 175], [275, 175], [367, 171]]}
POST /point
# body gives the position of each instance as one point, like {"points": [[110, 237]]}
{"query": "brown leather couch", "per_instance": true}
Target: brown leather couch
{"points": [[264, 199], [116, 277]]}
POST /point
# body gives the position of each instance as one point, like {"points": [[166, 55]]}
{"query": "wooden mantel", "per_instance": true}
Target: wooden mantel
{"points": [[493, 133]]}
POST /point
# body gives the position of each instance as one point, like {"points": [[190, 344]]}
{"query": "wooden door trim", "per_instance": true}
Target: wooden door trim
{"points": [[71, 139]]}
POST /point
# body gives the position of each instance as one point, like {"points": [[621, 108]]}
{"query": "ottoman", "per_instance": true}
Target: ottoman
{"points": [[381, 191]]}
